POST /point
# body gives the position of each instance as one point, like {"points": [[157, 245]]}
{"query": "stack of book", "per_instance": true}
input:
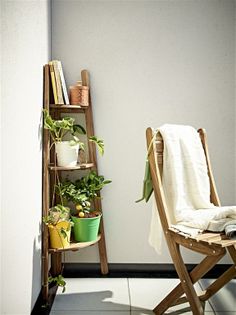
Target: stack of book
{"points": [[58, 83]]}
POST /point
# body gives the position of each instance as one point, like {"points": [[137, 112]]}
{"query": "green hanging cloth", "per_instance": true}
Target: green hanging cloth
{"points": [[147, 183]]}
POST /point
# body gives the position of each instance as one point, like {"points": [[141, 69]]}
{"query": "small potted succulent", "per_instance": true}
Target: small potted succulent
{"points": [[82, 194], [67, 150], [59, 225]]}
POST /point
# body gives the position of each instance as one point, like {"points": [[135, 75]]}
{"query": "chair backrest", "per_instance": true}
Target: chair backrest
{"points": [[156, 167]]}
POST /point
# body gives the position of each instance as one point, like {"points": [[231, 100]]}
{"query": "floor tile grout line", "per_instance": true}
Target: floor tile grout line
{"points": [[129, 293]]}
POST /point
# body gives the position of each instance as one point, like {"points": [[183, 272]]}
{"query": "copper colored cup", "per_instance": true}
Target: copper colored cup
{"points": [[74, 95], [84, 95]]}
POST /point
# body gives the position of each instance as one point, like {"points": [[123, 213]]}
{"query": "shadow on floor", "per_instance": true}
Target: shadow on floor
{"points": [[223, 299], [99, 302]]}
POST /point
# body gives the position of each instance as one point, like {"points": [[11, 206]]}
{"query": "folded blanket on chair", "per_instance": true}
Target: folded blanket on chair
{"points": [[187, 188], [230, 231], [186, 182]]}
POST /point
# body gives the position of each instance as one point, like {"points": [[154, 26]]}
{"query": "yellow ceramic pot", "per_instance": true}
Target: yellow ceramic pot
{"points": [[60, 234]]}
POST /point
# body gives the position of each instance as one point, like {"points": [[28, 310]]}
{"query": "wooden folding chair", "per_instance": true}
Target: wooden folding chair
{"points": [[213, 245]]}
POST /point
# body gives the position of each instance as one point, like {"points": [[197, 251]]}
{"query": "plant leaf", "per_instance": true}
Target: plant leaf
{"points": [[78, 129], [99, 143]]}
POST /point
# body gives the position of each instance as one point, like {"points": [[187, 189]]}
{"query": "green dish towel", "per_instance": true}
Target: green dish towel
{"points": [[147, 184], [147, 181]]}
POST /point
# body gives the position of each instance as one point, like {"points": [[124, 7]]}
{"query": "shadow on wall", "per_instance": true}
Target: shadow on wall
{"points": [[36, 270], [40, 132]]}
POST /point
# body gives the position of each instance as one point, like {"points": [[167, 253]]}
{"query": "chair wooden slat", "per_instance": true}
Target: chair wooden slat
{"points": [[225, 243], [206, 236]]}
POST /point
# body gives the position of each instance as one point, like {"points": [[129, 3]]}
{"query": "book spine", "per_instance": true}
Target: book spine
{"points": [[53, 81], [63, 82], [58, 82]]}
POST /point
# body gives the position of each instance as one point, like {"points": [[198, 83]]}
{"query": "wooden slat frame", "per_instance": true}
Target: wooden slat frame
{"points": [[214, 195], [93, 159]]}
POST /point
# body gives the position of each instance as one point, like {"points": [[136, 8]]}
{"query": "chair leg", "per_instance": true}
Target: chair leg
{"points": [[169, 300], [102, 251], [197, 273], [219, 283], [185, 280]]}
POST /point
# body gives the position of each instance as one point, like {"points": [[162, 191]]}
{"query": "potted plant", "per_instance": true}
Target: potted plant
{"points": [[59, 281], [82, 194], [59, 225], [67, 150]]}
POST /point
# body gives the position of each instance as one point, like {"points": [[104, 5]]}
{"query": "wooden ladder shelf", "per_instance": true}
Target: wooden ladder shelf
{"points": [[49, 169]]}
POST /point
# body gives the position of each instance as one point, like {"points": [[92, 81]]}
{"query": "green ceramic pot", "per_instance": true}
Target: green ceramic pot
{"points": [[86, 229]]}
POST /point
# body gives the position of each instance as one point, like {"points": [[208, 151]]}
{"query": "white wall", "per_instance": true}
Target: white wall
{"points": [[25, 48], [235, 86], [151, 62]]}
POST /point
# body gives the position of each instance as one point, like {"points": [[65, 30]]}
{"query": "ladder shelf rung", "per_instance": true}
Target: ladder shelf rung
{"points": [[68, 108], [75, 246], [82, 166]]}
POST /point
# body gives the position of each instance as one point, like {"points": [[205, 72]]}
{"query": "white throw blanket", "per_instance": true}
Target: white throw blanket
{"points": [[186, 184]]}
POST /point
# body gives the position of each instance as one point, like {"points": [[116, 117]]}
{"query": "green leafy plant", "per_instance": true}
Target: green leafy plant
{"points": [[57, 214], [82, 191], [59, 281], [59, 128], [70, 192], [99, 143], [91, 184]]}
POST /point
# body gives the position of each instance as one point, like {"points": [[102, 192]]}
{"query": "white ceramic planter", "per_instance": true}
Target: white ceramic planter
{"points": [[67, 155]]}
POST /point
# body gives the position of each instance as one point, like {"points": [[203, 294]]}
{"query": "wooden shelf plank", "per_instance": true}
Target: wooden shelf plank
{"points": [[75, 246], [68, 108], [58, 106], [83, 166]]}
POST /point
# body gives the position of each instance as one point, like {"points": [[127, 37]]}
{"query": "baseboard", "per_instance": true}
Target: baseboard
{"points": [[40, 308], [92, 270], [87, 270]]}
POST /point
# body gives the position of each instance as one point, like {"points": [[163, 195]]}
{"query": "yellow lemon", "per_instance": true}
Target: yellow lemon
{"points": [[81, 214], [78, 207]]}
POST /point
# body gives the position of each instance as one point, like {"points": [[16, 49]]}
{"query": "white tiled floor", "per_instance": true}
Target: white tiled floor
{"points": [[107, 296]]}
